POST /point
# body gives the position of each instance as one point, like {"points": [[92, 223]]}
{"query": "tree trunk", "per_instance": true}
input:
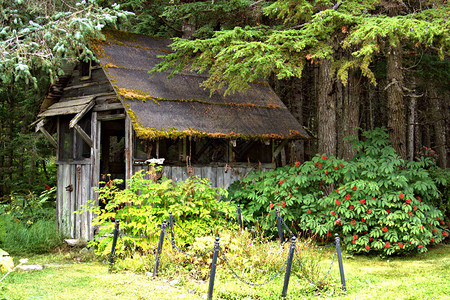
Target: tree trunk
{"points": [[446, 107], [396, 107], [351, 113], [412, 116], [341, 95], [188, 28], [326, 110], [438, 118], [10, 144], [296, 108], [412, 127]]}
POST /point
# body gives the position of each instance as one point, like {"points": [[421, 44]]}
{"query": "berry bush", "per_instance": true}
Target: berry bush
{"points": [[376, 201]]}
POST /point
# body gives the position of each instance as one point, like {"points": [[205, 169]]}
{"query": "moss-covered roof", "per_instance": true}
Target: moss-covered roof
{"points": [[180, 107]]}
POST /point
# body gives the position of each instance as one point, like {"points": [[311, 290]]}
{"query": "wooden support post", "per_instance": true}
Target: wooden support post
{"points": [[83, 135], [279, 148], [184, 149], [80, 115], [157, 148], [128, 149], [40, 127]]}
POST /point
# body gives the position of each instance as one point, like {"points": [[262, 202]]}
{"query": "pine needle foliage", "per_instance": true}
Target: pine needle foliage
{"points": [[300, 32]]}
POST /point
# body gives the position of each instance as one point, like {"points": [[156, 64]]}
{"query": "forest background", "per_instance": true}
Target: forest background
{"points": [[337, 65]]}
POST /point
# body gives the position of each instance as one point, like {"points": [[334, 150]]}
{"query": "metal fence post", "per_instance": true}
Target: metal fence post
{"points": [[239, 216], [213, 269], [341, 265], [280, 229], [171, 228], [288, 268], [160, 245], [114, 242]]}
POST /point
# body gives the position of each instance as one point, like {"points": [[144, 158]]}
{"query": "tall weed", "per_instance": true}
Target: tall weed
{"points": [[18, 238]]}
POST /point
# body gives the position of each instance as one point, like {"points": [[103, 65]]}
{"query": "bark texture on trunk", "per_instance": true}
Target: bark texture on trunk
{"points": [[188, 28], [326, 110], [412, 119], [351, 113], [438, 118], [296, 108], [396, 107], [446, 106]]}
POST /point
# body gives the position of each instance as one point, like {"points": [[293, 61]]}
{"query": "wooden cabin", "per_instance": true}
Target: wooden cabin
{"points": [[112, 117]]}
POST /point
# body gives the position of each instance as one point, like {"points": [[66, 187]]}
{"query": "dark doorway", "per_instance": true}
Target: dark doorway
{"points": [[112, 151]]}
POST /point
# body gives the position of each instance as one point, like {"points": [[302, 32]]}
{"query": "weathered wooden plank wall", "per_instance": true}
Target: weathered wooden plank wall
{"points": [[78, 178], [218, 176]]}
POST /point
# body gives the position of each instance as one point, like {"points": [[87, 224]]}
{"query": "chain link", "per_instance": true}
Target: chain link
{"points": [[185, 231], [287, 228], [181, 251], [306, 276], [138, 237], [250, 283], [324, 247]]}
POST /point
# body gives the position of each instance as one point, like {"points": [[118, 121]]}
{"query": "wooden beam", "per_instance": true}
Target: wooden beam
{"points": [[35, 123], [78, 117], [88, 96], [40, 127], [111, 117], [84, 85], [62, 111], [277, 151], [71, 102], [109, 106], [83, 135]]}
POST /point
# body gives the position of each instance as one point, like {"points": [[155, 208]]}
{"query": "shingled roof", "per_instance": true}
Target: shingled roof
{"points": [[180, 107]]}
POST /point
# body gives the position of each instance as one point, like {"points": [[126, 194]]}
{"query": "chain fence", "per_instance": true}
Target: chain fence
{"points": [[168, 232], [275, 275], [182, 228], [306, 276], [183, 252], [287, 227], [138, 237]]}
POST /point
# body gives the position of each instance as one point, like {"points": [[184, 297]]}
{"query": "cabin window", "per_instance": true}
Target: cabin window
{"points": [[85, 70], [252, 151], [65, 139], [164, 148], [71, 145], [203, 151]]}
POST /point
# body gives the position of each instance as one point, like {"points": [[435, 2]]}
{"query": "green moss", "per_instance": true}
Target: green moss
{"points": [[174, 133]]}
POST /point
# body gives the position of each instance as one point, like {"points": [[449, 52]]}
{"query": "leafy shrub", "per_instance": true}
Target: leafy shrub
{"points": [[29, 208], [442, 179], [376, 201], [143, 205]]}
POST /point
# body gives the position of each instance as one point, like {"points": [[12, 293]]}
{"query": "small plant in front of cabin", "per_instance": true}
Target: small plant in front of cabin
{"points": [[376, 201], [143, 205]]}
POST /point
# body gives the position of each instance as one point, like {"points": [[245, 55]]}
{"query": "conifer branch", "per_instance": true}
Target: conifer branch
{"points": [[335, 7]]}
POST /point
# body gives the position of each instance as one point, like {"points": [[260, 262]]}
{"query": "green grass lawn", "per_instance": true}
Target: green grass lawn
{"points": [[424, 276]]}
